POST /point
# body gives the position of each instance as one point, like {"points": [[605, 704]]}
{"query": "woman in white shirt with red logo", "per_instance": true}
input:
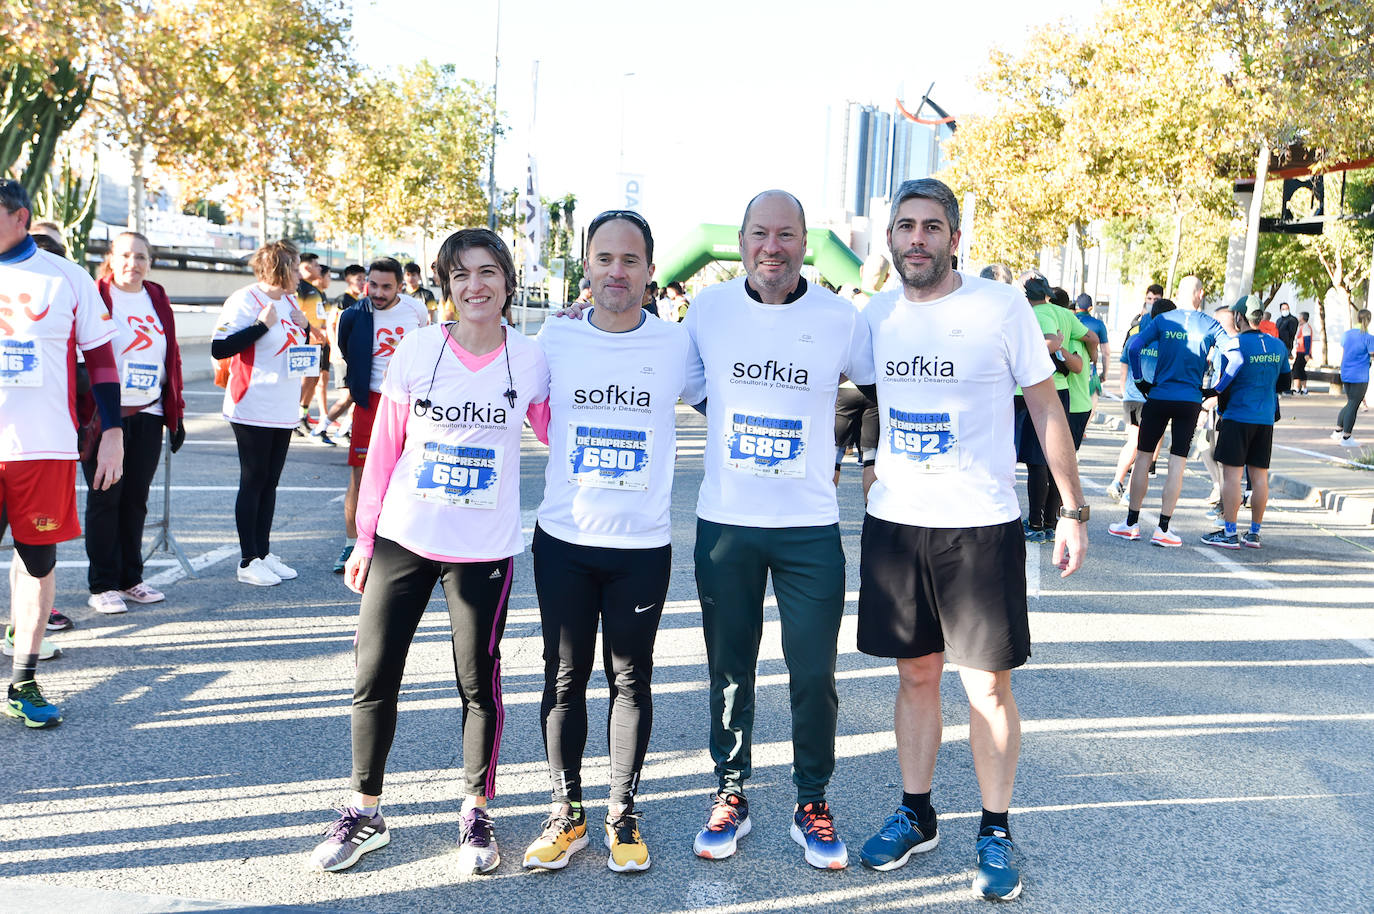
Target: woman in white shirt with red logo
{"points": [[440, 502], [145, 349], [264, 336]]}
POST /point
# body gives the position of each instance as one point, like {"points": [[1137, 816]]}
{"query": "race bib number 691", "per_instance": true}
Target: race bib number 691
{"points": [[458, 475]]}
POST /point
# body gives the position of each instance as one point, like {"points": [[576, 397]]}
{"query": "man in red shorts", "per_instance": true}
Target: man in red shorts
{"points": [[46, 304], [368, 334]]}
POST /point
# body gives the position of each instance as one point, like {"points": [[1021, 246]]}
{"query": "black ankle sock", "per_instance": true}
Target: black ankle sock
{"points": [[25, 668], [244, 563], [1132, 517], [995, 820], [1164, 522], [919, 803]]}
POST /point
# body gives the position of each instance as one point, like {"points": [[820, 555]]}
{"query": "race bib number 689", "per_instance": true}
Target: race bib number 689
{"points": [[767, 445]]}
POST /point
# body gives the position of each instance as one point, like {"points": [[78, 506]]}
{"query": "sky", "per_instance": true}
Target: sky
{"points": [[708, 102]]}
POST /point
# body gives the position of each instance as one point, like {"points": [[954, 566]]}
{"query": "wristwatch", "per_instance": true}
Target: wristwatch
{"points": [[1079, 514]]}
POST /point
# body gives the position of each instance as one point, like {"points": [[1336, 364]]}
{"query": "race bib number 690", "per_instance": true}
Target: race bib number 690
{"points": [[605, 457]]}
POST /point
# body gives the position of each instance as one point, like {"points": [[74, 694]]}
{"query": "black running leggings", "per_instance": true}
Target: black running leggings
{"points": [[115, 516], [624, 590], [1354, 394], [1042, 497], [399, 585], [262, 454]]}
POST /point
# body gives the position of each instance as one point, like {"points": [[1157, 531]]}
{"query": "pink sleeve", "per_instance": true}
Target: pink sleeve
{"points": [[383, 451], [539, 415]]}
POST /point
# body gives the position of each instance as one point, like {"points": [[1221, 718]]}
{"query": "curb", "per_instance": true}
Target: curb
{"points": [[1358, 509]]}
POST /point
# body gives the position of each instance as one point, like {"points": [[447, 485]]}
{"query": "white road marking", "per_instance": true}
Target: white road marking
{"points": [[199, 563], [1364, 645], [1033, 570], [1234, 567]]}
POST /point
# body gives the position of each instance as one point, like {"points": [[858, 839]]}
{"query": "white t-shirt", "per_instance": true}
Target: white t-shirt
{"points": [[47, 304], [262, 389], [388, 329], [456, 488], [769, 375], [140, 348], [947, 371], [612, 431]]}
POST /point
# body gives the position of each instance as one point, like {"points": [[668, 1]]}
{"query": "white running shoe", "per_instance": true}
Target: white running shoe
{"points": [[1125, 531], [1350, 443], [144, 593], [1167, 538], [46, 649], [279, 568], [258, 573], [108, 602]]}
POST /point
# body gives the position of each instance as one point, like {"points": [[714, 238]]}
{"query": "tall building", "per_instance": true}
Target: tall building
{"points": [[869, 152]]}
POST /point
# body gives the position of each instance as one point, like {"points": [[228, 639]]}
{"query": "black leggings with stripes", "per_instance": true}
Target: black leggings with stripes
{"points": [[398, 587], [622, 590]]}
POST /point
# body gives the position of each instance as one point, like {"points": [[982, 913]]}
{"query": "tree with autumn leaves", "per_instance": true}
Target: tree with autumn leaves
{"points": [[1147, 117], [262, 97]]}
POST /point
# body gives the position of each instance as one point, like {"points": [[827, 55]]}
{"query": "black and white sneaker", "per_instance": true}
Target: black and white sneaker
{"points": [[354, 834], [1221, 539]]}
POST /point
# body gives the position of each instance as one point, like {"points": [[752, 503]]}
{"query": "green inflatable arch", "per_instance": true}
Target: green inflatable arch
{"points": [[824, 249]]}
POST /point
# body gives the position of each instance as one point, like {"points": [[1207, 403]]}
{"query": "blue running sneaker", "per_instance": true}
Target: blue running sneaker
{"points": [[896, 841], [728, 823], [814, 829], [997, 878], [27, 703]]}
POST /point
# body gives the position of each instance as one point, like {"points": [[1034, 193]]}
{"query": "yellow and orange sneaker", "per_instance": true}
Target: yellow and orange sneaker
{"points": [[629, 853], [563, 836]]}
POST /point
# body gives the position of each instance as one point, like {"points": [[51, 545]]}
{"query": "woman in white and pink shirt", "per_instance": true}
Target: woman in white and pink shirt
{"points": [[440, 502]]}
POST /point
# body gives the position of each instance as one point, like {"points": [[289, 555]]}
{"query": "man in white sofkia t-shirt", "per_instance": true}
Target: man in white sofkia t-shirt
{"points": [[601, 546], [942, 574], [768, 351]]}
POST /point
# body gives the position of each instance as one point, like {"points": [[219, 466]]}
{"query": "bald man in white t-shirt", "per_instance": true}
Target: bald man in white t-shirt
{"points": [[768, 353]]}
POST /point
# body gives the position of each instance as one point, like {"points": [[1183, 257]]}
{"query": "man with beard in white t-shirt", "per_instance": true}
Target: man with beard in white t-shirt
{"points": [[368, 335], [768, 351], [942, 574]]}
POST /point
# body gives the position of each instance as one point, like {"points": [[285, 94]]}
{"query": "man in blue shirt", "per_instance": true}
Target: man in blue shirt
{"points": [[1083, 308], [1133, 401], [1182, 339], [1254, 371]]}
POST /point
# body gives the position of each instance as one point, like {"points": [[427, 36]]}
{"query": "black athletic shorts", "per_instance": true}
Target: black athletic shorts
{"points": [[856, 425], [324, 355], [1179, 415], [923, 590], [1244, 444], [1300, 367], [1078, 427]]}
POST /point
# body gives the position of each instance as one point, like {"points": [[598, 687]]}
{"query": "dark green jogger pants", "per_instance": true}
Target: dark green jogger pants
{"points": [[732, 568]]}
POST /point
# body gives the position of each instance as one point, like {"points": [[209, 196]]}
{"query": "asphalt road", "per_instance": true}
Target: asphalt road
{"points": [[1199, 730]]}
